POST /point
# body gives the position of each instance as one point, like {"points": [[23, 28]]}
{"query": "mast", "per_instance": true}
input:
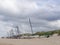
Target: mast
{"points": [[31, 26], [8, 34], [12, 32], [18, 32]]}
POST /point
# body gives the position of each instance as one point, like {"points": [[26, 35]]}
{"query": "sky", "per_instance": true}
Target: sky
{"points": [[44, 15]]}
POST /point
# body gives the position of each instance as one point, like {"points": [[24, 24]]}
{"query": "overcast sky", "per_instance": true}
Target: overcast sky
{"points": [[44, 15]]}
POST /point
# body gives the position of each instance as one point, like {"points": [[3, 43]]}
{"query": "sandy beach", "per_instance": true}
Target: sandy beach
{"points": [[42, 41]]}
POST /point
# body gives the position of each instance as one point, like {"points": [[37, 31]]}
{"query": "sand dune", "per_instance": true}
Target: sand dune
{"points": [[42, 41]]}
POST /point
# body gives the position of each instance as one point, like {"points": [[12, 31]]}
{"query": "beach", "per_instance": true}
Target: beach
{"points": [[36, 41]]}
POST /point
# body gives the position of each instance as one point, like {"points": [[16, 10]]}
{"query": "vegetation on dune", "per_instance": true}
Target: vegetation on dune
{"points": [[58, 32], [39, 33], [48, 33]]}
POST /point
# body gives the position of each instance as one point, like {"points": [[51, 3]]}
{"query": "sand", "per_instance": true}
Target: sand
{"points": [[36, 41]]}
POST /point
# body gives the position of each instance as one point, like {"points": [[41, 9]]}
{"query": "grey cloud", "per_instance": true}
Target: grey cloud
{"points": [[41, 12]]}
